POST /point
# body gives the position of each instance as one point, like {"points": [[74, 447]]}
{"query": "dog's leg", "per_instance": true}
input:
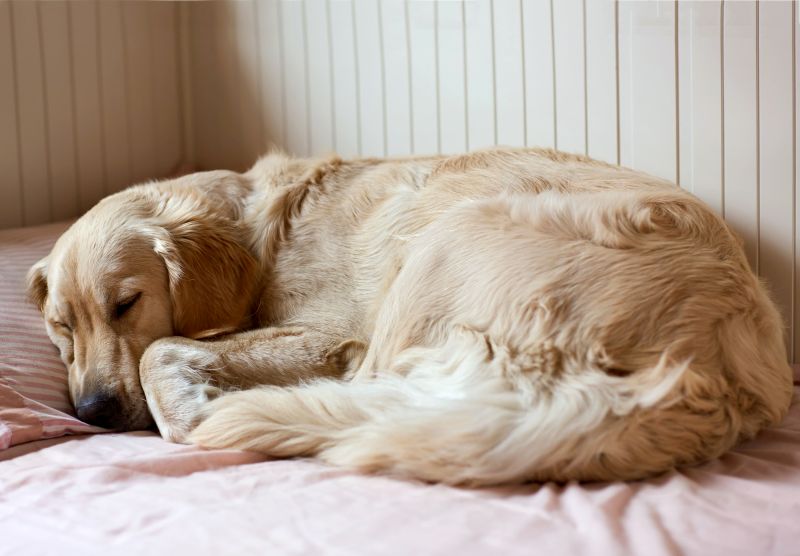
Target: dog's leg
{"points": [[180, 375]]}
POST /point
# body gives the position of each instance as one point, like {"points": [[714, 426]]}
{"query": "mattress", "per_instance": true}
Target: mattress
{"points": [[135, 493]]}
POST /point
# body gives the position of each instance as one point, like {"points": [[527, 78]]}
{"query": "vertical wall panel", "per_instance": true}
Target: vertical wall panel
{"points": [[271, 73], [60, 121], [479, 46], [90, 142], [10, 189], [114, 92], [295, 72], [601, 82], [648, 109], [205, 85], [795, 339], [138, 59], [776, 136], [225, 106], [450, 65], [238, 132], [397, 77], [31, 107], [370, 67], [73, 76], [568, 29], [539, 87], [700, 78], [510, 102], [345, 79], [185, 84], [424, 76], [741, 119], [163, 21], [246, 84], [319, 77]]}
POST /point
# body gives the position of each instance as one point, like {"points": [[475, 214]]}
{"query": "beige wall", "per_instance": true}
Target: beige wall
{"points": [[89, 103]]}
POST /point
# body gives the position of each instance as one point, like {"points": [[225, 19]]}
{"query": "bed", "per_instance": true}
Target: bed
{"points": [[74, 491]]}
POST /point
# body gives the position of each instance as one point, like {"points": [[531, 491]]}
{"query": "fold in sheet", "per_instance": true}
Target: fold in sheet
{"points": [[134, 493]]}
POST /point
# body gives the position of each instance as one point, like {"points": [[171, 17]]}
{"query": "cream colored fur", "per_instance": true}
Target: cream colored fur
{"points": [[496, 317]]}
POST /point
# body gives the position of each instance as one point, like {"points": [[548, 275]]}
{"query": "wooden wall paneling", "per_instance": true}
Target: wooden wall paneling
{"points": [[345, 79], [246, 68], [204, 85], [164, 81], [271, 73], [510, 102], [570, 74], [776, 138], [795, 339], [369, 50], [741, 123], [141, 102], [451, 77], [11, 194], [114, 92], [479, 73], [601, 80], [397, 77], [539, 89], [320, 79], [90, 140], [648, 89], [424, 75], [295, 78], [56, 50], [32, 112], [700, 79]]}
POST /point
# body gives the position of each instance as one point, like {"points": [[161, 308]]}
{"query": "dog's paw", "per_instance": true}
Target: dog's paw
{"points": [[176, 378]]}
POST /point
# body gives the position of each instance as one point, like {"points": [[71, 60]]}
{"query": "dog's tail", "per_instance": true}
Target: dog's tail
{"points": [[460, 419]]}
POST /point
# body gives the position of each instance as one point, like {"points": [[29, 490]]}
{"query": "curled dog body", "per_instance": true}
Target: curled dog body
{"points": [[496, 317]]}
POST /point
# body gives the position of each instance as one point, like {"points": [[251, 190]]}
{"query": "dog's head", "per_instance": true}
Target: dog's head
{"points": [[152, 261]]}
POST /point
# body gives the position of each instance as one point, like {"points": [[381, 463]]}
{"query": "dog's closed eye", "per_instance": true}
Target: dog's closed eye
{"points": [[62, 325], [125, 305]]}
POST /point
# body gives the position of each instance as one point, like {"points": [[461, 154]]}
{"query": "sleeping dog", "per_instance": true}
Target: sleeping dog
{"points": [[495, 317]]}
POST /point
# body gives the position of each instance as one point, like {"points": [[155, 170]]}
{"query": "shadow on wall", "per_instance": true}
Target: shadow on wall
{"points": [[232, 124]]}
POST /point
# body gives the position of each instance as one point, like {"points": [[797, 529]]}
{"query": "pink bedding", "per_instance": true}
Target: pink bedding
{"points": [[134, 493]]}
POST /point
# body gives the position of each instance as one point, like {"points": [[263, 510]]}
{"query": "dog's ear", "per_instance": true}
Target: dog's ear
{"points": [[37, 283], [212, 276]]}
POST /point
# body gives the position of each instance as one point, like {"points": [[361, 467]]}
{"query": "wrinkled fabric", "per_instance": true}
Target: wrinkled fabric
{"points": [[133, 493]]}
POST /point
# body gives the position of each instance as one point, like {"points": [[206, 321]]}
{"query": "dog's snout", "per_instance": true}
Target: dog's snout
{"points": [[100, 409]]}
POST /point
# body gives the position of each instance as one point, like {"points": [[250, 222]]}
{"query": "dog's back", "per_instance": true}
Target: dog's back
{"points": [[529, 314]]}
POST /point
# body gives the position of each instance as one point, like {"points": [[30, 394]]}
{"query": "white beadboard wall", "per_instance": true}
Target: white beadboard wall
{"points": [[98, 95], [89, 103]]}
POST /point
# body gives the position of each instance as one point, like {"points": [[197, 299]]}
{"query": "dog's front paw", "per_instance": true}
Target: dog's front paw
{"points": [[176, 378]]}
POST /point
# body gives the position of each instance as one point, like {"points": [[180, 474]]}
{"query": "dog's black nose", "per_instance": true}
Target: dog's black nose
{"points": [[100, 409]]}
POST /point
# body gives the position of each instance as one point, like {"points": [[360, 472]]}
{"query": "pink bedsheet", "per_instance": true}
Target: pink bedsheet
{"points": [[134, 493]]}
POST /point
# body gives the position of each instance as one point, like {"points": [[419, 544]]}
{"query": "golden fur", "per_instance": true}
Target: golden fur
{"points": [[495, 317]]}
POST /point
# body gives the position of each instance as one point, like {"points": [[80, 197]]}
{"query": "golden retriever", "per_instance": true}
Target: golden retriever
{"points": [[495, 317]]}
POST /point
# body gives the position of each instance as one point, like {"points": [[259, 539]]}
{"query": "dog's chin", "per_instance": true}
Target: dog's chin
{"points": [[142, 422]]}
